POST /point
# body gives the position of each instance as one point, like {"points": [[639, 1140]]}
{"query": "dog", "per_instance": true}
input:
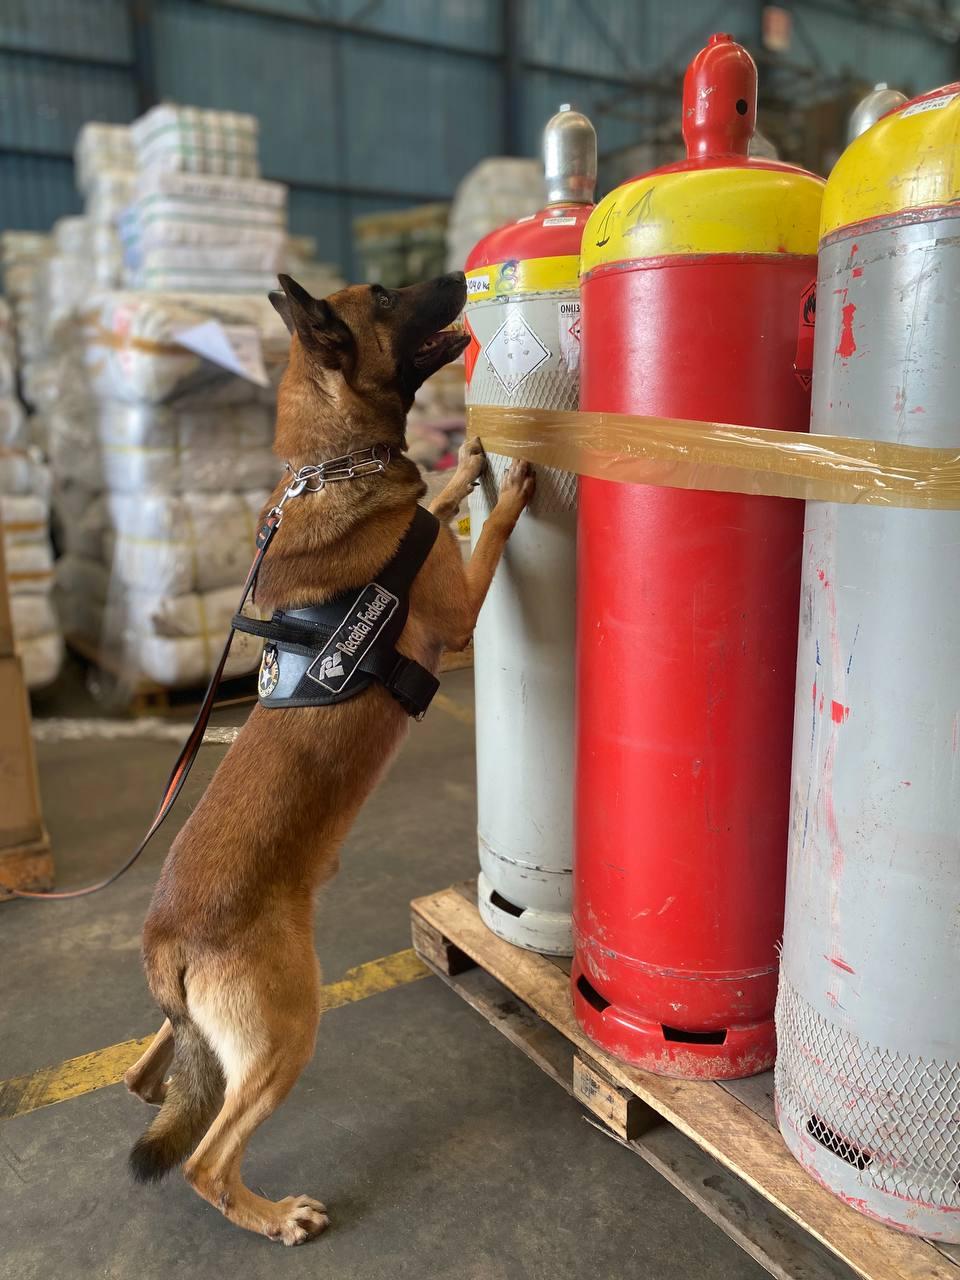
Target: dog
{"points": [[228, 941]]}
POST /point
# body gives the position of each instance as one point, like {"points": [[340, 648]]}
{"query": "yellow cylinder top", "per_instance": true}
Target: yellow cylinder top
{"points": [[906, 161], [755, 208]]}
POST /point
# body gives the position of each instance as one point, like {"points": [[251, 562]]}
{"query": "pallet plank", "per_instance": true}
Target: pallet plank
{"points": [[710, 1116], [433, 947], [756, 1092], [618, 1108]]}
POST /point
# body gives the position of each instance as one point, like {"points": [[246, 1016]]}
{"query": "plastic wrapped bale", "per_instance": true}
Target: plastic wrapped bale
{"points": [[172, 138], [25, 521], [130, 352], [498, 190], [130, 448], [101, 148]]}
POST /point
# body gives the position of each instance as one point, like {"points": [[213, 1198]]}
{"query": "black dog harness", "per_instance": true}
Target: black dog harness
{"points": [[330, 652]]}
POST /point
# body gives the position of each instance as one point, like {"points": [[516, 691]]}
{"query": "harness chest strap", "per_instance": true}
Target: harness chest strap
{"points": [[327, 653]]}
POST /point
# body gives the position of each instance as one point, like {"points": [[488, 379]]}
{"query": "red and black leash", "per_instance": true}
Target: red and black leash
{"points": [[191, 747]]}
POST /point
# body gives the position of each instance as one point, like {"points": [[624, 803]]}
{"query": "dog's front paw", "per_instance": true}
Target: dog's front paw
{"points": [[518, 485], [299, 1219], [471, 460]]}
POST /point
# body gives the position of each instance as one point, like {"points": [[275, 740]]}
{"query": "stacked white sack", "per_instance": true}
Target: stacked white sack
{"points": [[203, 233], [101, 148], [160, 471], [28, 554], [178, 139], [22, 254], [498, 190], [104, 169], [25, 521]]}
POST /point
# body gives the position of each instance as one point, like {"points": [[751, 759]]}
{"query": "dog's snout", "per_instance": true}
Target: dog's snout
{"points": [[455, 277]]}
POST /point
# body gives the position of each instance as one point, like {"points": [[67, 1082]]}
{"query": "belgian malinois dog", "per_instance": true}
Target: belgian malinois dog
{"points": [[228, 941]]}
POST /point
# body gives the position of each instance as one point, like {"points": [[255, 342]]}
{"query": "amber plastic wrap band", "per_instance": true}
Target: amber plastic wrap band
{"points": [[717, 456]]}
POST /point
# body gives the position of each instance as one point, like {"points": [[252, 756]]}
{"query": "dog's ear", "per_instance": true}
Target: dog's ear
{"points": [[318, 326], [282, 307]]}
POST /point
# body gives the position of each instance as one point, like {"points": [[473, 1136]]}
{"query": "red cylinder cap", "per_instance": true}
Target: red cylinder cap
{"points": [[720, 100]]}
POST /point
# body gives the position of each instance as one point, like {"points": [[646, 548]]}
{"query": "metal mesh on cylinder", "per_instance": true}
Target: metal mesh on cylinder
{"points": [[551, 388], [893, 1118]]}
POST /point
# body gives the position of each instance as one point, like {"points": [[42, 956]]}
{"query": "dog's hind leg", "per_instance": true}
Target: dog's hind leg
{"points": [[147, 1075], [264, 1039], [470, 464]]}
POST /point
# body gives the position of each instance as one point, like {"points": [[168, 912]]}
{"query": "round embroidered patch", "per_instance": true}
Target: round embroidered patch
{"points": [[269, 672]]}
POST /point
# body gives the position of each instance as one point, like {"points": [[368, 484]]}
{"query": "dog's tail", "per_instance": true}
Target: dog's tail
{"points": [[193, 1098]]}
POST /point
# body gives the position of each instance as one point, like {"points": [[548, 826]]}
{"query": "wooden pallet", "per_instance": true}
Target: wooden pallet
{"points": [[716, 1143]]}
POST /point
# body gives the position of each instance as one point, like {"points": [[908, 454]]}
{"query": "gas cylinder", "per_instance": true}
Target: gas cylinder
{"points": [[872, 108], [523, 315], [696, 286], [868, 1012]]}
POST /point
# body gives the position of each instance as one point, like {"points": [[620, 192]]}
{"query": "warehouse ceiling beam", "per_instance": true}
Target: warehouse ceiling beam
{"points": [[366, 11], [897, 15], [320, 23], [361, 192], [600, 28], [65, 58]]}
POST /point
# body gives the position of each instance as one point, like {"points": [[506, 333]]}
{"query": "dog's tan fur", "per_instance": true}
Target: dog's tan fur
{"points": [[228, 942]]}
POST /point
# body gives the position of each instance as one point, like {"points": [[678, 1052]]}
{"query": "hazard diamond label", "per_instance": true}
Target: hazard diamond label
{"points": [[514, 352]]}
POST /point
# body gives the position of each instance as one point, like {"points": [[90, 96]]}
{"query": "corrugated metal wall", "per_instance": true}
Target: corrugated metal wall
{"points": [[371, 104]]}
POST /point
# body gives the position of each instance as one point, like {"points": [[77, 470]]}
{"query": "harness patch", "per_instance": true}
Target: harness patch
{"points": [[338, 661], [269, 672]]}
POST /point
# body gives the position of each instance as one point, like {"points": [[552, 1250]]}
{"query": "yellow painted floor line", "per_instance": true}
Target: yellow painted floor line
{"points": [[77, 1076], [455, 709]]}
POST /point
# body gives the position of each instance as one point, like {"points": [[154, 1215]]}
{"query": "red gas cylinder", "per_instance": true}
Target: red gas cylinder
{"points": [[696, 283]]}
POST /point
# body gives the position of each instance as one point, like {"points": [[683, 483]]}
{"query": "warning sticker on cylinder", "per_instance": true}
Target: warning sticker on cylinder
{"points": [[568, 317], [931, 104], [514, 352]]}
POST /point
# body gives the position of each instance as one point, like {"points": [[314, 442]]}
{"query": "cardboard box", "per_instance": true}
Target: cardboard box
{"points": [[20, 819], [25, 858], [6, 621]]}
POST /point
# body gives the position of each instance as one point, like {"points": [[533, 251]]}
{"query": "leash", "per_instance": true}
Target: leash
{"points": [[309, 479]]}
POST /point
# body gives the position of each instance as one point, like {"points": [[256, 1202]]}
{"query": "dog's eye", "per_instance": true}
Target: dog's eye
{"points": [[384, 299]]}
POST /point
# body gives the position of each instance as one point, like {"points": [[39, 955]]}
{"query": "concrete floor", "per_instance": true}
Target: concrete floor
{"points": [[438, 1148]]}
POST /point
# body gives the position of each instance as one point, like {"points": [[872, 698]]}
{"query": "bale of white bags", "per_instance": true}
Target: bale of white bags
{"points": [[101, 148], [192, 140], [131, 353], [498, 190]]}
